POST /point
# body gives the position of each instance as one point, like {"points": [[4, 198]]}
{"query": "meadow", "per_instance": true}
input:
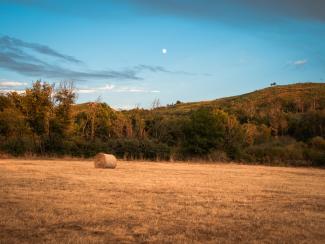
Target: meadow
{"points": [[70, 201]]}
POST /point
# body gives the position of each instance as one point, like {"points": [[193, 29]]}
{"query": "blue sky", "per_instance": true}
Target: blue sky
{"points": [[113, 49]]}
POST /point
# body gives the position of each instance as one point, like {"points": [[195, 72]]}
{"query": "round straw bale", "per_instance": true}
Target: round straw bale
{"points": [[103, 160]]}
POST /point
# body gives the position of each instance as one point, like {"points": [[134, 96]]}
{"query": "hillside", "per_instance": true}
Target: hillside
{"points": [[293, 98]]}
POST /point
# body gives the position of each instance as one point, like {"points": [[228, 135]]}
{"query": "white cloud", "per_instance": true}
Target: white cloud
{"points": [[107, 87], [301, 62], [113, 88], [129, 89], [12, 83], [8, 91], [125, 107], [134, 90], [86, 91]]}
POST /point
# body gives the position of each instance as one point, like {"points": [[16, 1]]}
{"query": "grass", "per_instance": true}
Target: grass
{"points": [[72, 202], [259, 100]]}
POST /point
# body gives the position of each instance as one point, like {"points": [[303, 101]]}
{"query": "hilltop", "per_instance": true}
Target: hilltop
{"points": [[293, 98]]}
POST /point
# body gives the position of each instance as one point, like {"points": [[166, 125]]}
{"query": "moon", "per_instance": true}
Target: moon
{"points": [[164, 51]]}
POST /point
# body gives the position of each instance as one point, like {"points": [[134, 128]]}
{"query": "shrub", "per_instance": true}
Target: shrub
{"points": [[204, 132], [18, 146], [138, 149], [316, 151], [317, 143], [281, 151], [218, 156]]}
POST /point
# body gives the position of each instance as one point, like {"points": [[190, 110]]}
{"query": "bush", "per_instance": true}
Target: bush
{"points": [[316, 151], [283, 151], [138, 149], [317, 157], [317, 143], [218, 156], [18, 146], [204, 132], [83, 148]]}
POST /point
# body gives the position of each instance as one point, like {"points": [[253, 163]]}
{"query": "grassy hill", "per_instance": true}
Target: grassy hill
{"points": [[293, 98]]}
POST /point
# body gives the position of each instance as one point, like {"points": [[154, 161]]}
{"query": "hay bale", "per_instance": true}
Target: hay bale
{"points": [[104, 161]]}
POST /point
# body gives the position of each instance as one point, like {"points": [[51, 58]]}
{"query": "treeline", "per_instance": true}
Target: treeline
{"points": [[44, 120]]}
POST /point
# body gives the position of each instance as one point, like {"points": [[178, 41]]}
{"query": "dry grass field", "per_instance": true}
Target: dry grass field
{"points": [[72, 202]]}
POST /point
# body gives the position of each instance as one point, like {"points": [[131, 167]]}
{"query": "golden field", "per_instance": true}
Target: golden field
{"points": [[72, 202]]}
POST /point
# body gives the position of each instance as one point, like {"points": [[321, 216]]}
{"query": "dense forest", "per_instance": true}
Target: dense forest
{"points": [[280, 125]]}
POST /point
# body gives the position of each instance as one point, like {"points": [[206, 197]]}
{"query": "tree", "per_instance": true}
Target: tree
{"points": [[37, 107], [204, 131], [307, 125], [234, 136], [250, 133], [137, 123], [64, 98], [4, 102], [98, 120]]}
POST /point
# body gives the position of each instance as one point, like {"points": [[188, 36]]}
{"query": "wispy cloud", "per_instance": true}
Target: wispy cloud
{"points": [[151, 68], [296, 64], [113, 88], [15, 56], [96, 90], [5, 91], [135, 90], [8, 86], [155, 69], [107, 87], [16, 45], [12, 83], [301, 62]]}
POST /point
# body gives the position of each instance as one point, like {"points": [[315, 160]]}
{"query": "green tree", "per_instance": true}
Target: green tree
{"points": [[37, 106], [204, 131], [64, 98]]}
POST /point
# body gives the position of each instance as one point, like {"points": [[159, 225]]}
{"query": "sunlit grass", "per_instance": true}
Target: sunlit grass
{"points": [[72, 202]]}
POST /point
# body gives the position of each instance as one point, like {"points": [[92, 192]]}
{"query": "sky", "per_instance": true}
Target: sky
{"points": [[128, 53]]}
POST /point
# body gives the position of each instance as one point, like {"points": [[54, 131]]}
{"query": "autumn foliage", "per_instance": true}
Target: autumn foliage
{"points": [[276, 125]]}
